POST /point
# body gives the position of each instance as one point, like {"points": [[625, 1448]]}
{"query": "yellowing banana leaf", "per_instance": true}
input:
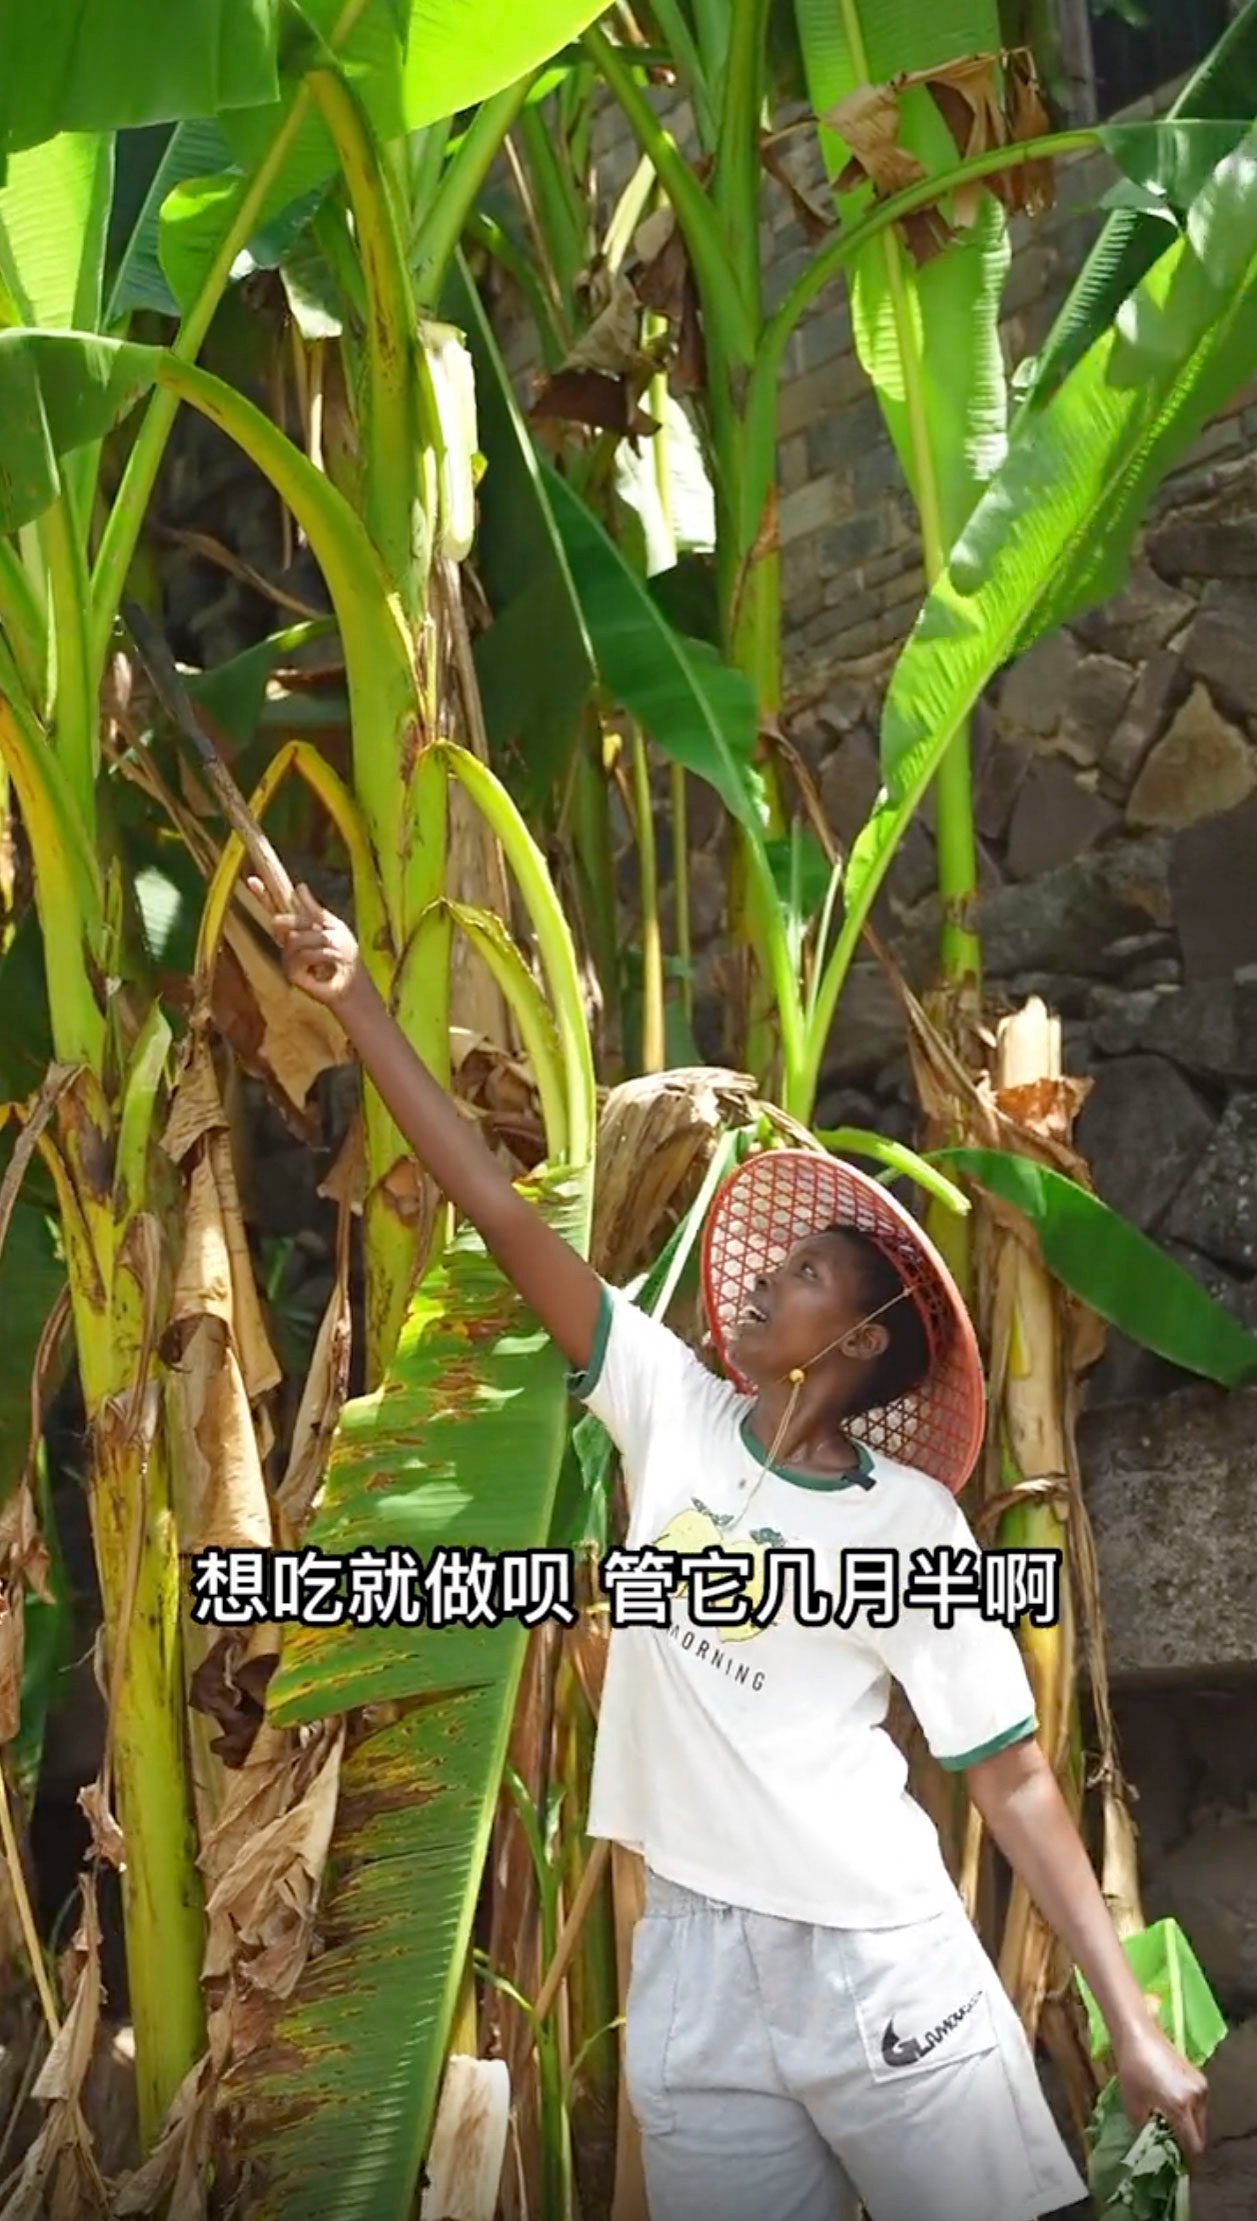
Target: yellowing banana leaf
{"points": [[460, 1447], [337, 2109], [1114, 1267]]}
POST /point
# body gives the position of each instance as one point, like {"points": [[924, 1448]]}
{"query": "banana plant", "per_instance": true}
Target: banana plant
{"points": [[298, 118], [949, 428]]}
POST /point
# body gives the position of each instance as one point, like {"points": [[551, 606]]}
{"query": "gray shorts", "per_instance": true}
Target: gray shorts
{"points": [[780, 2071]]}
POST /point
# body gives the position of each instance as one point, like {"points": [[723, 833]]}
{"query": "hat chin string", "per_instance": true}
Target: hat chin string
{"points": [[798, 1373]]}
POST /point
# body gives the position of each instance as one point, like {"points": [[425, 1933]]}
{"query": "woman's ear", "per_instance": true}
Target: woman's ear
{"points": [[867, 1341]]}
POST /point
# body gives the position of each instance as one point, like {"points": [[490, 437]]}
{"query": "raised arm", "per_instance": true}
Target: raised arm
{"points": [[321, 956]]}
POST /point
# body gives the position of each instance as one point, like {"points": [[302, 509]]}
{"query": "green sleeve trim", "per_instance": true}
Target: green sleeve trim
{"points": [[1002, 1742], [582, 1384]]}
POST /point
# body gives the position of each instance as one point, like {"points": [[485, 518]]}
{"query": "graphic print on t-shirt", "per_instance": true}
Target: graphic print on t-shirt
{"points": [[689, 1533]]}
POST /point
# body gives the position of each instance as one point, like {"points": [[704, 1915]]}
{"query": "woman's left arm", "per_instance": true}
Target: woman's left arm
{"points": [[1018, 1797]]}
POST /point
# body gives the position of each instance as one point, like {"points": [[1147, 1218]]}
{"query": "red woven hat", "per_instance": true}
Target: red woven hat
{"points": [[777, 1198]]}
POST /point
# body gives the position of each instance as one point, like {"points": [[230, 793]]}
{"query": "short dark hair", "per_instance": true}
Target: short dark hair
{"points": [[905, 1361]]}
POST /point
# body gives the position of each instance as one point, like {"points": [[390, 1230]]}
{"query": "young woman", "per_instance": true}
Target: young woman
{"points": [[811, 2020]]}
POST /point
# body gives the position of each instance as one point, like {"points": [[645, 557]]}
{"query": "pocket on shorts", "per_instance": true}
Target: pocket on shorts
{"points": [[921, 1996], [649, 2014]]}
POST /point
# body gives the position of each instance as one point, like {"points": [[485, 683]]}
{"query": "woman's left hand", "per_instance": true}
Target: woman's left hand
{"points": [[1155, 2078]]}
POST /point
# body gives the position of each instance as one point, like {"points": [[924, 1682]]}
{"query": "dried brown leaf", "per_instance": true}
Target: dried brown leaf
{"points": [[964, 92], [178, 2167], [108, 1841], [815, 222], [1031, 186], [1047, 1108], [23, 1562], [661, 266], [197, 1106], [612, 342], [215, 1276], [655, 1139], [223, 1500], [262, 1905], [59, 2179], [407, 1192], [277, 1033], [323, 1393], [258, 1363], [229, 1686], [346, 1181], [603, 401], [868, 121]]}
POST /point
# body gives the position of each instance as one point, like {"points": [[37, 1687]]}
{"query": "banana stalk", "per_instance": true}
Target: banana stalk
{"points": [[1039, 1507]]}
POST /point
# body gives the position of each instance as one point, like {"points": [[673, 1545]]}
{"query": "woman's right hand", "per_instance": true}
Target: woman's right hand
{"points": [[319, 952]]}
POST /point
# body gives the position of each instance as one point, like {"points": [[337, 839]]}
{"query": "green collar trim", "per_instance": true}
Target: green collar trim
{"points": [[862, 1477]]}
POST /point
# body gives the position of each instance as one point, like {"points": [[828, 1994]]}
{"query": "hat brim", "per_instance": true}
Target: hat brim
{"points": [[775, 1200]]}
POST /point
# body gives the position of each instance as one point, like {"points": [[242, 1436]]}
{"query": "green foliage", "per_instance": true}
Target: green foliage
{"points": [[70, 68], [1114, 1268], [54, 270], [694, 707], [1141, 2176], [927, 334], [1051, 533], [460, 1446], [1225, 85], [459, 1449], [535, 662]]}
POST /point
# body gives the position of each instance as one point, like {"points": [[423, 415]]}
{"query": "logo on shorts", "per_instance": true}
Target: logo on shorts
{"points": [[905, 2051]]}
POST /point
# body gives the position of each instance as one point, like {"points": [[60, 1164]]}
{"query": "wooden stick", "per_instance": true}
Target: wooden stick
{"points": [[572, 1926], [157, 661]]}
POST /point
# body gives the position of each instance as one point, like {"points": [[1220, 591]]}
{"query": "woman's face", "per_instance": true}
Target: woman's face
{"points": [[794, 1313]]}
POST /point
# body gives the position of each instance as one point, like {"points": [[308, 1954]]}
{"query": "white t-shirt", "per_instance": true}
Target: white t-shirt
{"points": [[750, 1762]]}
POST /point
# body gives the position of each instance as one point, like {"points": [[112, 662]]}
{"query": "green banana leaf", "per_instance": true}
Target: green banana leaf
{"points": [[1114, 1268], [535, 662], [927, 334], [695, 708], [337, 2109], [1225, 85], [74, 68], [1140, 2175], [409, 65], [53, 268], [1051, 531], [196, 148], [461, 1447]]}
